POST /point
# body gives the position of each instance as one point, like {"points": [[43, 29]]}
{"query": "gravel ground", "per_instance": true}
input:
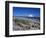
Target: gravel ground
{"points": [[21, 26]]}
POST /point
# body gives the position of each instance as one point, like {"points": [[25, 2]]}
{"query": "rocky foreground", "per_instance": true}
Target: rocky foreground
{"points": [[24, 24]]}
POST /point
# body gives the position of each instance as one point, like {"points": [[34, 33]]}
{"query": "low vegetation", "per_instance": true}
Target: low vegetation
{"points": [[26, 24]]}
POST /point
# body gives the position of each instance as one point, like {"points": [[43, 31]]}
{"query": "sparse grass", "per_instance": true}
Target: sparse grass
{"points": [[26, 22]]}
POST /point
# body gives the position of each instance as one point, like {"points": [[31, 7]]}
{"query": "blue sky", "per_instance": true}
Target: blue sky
{"points": [[23, 11]]}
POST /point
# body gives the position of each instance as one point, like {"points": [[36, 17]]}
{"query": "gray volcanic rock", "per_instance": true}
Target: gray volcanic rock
{"points": [[29, 24]]}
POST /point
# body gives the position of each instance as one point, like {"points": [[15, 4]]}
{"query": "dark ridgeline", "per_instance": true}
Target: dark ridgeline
{"points": [[38, 18]]}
